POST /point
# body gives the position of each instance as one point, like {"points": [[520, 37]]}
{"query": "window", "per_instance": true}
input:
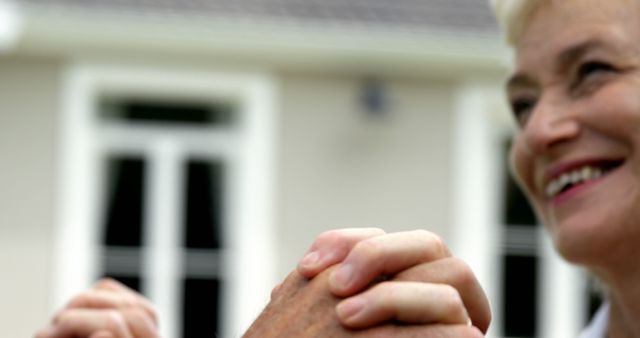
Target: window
{"points": [[133, 235], [167, 112], [164, 172]]}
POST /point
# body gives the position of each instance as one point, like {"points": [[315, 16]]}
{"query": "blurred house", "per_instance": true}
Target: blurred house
{"points": [[194, 149]]}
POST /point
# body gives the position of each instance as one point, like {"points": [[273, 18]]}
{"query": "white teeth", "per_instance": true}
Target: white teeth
{"points": [[586, 173], [596, 173], [574, 177]]}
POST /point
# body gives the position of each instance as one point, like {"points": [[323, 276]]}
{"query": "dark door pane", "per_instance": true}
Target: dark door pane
{"points": [[125, 202], [203, 204], [201, 303], [520, 295]]}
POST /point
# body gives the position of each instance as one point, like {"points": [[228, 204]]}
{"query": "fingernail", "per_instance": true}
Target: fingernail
{"points": [[342, 276], [350, 308], [310, 259]]}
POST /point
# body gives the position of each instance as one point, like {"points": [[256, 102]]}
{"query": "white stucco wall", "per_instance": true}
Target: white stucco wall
{"points": [[28, 113], [338, 168]]}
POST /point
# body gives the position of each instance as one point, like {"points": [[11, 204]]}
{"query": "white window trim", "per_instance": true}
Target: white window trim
{"points": [[250, 261], [480, 124]]}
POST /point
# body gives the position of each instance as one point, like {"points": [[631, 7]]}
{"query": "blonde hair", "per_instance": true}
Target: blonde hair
{"points": [[512, 16]]}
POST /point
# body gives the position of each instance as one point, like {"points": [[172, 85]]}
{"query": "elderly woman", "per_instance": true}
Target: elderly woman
{"points": [[575, 95]]}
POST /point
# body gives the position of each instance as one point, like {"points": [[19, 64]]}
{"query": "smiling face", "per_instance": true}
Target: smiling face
{"points": [[576, 96]]}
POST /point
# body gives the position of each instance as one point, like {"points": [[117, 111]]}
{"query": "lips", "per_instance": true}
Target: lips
{"points": [[563, 177]]}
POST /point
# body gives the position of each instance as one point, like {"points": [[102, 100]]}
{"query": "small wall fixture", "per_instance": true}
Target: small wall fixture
{"points": [[374, 98]]}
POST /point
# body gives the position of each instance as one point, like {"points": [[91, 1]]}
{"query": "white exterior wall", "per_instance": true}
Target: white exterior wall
{"points": [[335, 168], [339, 168], [29, 105]]}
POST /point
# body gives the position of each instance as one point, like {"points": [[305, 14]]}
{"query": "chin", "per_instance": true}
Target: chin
{"points": [[581, 240], [575, 251]]}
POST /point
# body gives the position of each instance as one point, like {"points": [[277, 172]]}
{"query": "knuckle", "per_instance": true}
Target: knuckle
{"points": [[462, 272], [153, 313], [107, 283], [436, 242], [136, 314], [343, 235], [114, 320], [435, 245], [385, 294], [332, 235], [291, 285], [370, 247], [274, 291], [62, 316], [451, 301], [81, 299], [140, 323], [130, 300], [472, 332], [329, 237]]}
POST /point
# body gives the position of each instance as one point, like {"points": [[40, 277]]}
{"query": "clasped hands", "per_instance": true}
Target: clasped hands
{"points": [[351, 283]]}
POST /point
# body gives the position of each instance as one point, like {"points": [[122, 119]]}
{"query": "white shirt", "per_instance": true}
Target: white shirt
{"points": [[598, 326]]}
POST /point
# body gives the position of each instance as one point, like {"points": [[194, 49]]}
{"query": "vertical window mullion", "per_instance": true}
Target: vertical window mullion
{"points": [[162, 262]]}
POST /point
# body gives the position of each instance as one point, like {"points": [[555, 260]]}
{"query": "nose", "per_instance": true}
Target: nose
{"points": [[550, 124]]}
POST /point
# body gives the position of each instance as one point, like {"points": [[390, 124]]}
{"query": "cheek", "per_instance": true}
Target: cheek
{"points": [[615, 111]]}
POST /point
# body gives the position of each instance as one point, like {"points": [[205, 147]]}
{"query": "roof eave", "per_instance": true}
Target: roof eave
{"points": [[275, 44]]}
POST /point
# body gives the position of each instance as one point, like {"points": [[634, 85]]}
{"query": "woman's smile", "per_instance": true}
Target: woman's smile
{"points": [[566, 179]]}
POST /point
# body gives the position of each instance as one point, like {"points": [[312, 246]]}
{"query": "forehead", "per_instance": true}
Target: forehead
{"points": [[556, 28]]}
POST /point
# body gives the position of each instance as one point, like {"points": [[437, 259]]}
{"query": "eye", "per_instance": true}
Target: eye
{"points": [[592, 68], [521, 108]]}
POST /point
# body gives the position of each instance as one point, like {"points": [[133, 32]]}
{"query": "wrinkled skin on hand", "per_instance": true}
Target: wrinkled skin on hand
{"points": [[301, 308]]}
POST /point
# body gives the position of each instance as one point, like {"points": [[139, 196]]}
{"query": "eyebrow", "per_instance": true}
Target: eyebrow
{"points": [[564, 59], [573, 53], [519, 80]]}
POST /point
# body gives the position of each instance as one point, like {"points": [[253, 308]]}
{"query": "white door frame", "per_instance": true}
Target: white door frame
{"points": [[250, 262]]}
